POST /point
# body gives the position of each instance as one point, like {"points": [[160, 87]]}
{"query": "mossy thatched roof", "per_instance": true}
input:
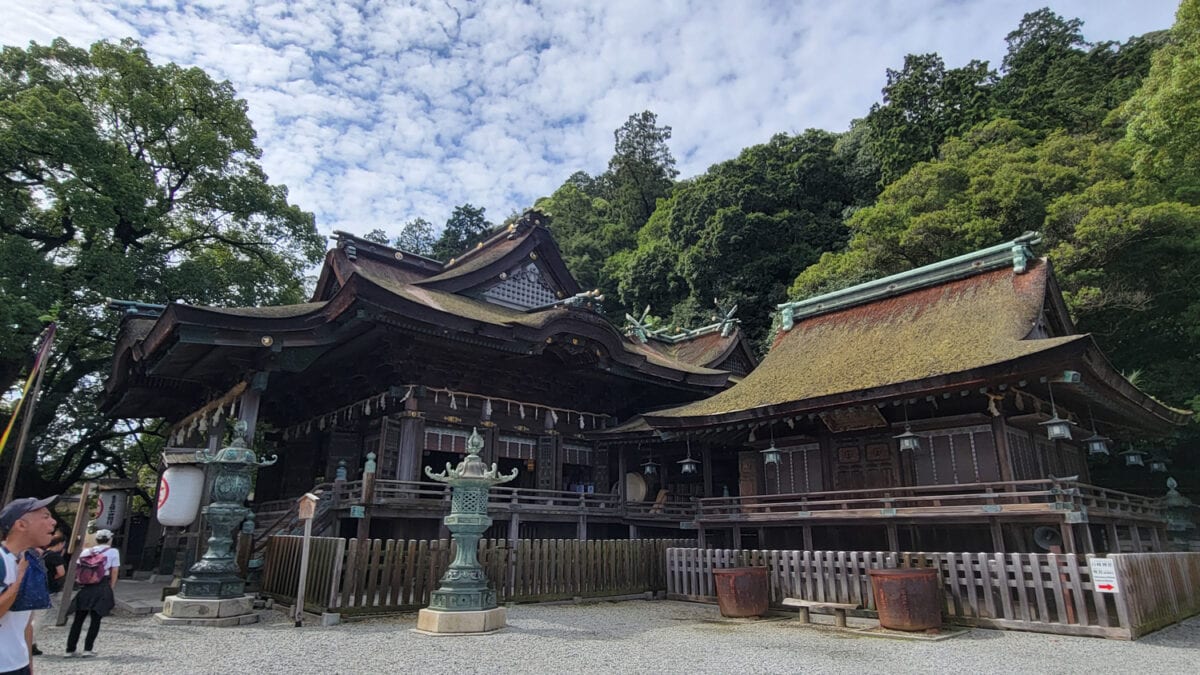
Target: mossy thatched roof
{"points": [[959, 326]]}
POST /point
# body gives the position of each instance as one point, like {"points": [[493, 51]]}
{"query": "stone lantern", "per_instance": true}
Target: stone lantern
{"points": [[463, 603], [213, 588]]}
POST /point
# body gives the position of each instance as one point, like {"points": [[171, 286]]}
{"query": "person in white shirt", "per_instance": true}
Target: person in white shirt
{"points": [[95, 600], [27, 523]]}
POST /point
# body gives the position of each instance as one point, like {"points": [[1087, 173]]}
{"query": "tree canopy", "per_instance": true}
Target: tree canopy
{"points": [[124, 179]]}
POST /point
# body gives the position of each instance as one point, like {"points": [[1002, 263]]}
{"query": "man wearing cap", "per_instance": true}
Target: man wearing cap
{"points": [[27, 524]]}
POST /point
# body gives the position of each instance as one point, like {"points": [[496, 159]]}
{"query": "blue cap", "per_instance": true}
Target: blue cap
{"points": [[17, 508]]}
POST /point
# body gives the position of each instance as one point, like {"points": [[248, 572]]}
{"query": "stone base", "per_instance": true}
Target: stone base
{"points": [[178, 607], [212, 623], [480, 622]]}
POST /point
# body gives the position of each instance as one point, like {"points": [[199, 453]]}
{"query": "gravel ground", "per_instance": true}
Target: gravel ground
{"points": [[620, 637]]}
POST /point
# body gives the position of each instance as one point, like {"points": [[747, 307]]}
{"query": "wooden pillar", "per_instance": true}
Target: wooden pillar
{"points": [[1136, 535], [1089, 544], [1114, 537], [808, 537], [1003, 458], [1068, 537], [762, 537], [893, 538], [621, 469], [412, 441], [248, 409], [490, 453], [737, 536], [514, 528], [367, 498], [706, 467], [997, 536], [700, 538], [633, 531], [1155, 540]]}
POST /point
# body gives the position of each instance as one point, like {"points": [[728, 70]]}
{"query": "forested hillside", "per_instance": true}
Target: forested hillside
{"points": [[1096, 145]]}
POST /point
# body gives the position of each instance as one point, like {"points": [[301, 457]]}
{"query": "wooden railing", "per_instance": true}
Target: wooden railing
{"points": [[933, 501], [1036, 592], [349, 576]]}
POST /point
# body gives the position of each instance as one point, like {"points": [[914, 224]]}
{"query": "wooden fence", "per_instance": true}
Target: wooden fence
{"points": [[347, 576], [1036, 592]]}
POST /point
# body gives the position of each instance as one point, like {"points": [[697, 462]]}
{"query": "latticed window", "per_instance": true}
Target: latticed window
{"points": [[516, 447], [576, 453], [525, 288], [446, 439]]}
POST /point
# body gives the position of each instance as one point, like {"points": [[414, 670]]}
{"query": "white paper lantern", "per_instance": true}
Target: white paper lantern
{"points": [[110, 509], [179, 492]]}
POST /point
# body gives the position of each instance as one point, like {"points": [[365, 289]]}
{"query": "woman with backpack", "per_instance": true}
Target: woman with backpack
{"points": [[96, 575]]}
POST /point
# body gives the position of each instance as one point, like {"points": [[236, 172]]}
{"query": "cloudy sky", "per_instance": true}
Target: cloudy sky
{"points": [[378, 111]]}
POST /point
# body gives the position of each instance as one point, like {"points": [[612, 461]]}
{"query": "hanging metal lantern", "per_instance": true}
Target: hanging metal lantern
{"points": [[1158, 463], [770, 455], [649, 467], [1058, 428], [1097, 445], [688, 465], [908, 440], [1134, 457]]}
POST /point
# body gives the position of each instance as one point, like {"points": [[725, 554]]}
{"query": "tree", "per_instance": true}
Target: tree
{"points": [[1055, 79], [121, 178], [642, 169], [417, 237], [923, 105], [465, 228], [740, 232], [378, 236], [1164, 116]]}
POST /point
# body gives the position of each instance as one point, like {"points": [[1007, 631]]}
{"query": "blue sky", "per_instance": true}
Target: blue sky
{"points": [[375, 112]]}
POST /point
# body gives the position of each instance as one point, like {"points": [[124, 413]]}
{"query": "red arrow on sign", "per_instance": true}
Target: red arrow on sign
{"points": [[1105, 587]]}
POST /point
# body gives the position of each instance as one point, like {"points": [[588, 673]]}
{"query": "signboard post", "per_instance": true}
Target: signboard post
{"points": [[307, 508], [1104, 575]]}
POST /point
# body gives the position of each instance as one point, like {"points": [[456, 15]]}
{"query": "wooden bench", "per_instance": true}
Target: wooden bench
{"points": [[839, 609]]}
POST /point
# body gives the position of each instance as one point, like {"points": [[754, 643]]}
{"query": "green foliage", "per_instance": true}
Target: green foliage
{"points": [[923, 104], [641, 171], [1055, 79], [1164, 116], [740, 231], [128, 180], [417, 237], [466, 227]]}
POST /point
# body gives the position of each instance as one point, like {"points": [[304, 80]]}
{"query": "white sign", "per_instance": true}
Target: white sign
{"points": [[1104, 575]]}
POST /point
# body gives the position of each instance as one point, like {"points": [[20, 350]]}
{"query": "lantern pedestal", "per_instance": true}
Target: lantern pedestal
{"points": [[207, 612], [475, 622]]}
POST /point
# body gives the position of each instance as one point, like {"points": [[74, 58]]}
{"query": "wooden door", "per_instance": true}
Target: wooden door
{"points": [[864, 466]]}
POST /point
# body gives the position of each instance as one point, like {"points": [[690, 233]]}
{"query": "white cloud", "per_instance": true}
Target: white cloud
{"points": [[377, 112]]}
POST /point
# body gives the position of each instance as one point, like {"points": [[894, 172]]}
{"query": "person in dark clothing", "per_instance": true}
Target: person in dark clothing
{"points": [[56, 573], [94, 600]]}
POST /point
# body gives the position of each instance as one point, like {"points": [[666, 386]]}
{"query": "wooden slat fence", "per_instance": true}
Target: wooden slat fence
{"points": [[1036, 592], [1160, 588], [383, 576]]}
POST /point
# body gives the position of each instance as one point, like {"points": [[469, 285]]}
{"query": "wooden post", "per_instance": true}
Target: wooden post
{"points": [[621, 469], [737, 536], [1114, 538], [27, 410], [893, 537], [1136, 535], [514, 529], [700, 539], [1003, 458], [248, 410], [1155, 541], [581, 532], [368, 498], [308, 506], [73, 549], [706, 466], [808, 537], [997, 536], [412, 441], [1068, 537]]}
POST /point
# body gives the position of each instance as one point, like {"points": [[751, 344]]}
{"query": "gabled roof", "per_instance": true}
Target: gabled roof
{"points": [[941, 326], [363, 285]]}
